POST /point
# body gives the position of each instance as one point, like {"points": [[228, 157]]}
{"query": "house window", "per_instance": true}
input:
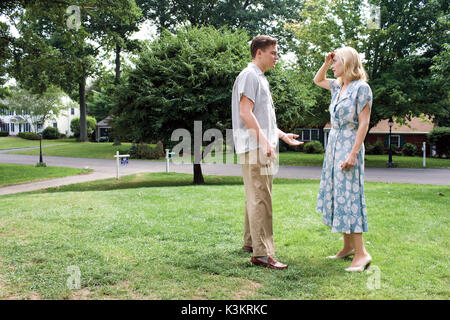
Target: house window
{"points": [[12, 127], [306, 135], [55, 125], [39, 126], [315, 134], [395, 140], [72, 111], [310, 134], [5, 127], [11, 113], [27, 127]]}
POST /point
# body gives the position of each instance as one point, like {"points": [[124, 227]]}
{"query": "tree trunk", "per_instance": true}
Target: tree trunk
{"points": [[198, 155], [82, 96], [118, 49], [198, 176]]}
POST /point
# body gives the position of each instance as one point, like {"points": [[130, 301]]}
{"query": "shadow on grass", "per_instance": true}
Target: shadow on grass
{"points": [[305, 275], [155, 180]]}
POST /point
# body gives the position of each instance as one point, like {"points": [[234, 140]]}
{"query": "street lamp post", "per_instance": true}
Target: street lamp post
{"points": [[390, 164], [41, 163], [40, 148]]}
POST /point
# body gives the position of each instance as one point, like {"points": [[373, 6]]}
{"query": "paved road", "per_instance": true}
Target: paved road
{"points": [[105, 168]]}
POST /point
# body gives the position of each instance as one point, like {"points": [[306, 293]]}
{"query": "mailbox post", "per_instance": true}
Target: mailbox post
{"points": [[169, 156], [120, 159], [424, 149]]}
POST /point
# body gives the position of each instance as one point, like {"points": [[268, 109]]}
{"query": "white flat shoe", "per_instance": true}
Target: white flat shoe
{"points": [[362, 267], [351, 252]]}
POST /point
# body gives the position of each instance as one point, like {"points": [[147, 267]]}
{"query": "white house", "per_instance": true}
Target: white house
{"points": [[15, 122]]}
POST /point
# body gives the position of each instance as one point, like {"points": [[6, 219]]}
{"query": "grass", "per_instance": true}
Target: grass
{"points": [[14, 173], [375, 161], [104, 150], [156, 236], [70, 148], [16, 142]]}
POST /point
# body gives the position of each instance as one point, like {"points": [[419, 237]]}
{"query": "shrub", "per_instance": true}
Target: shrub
{"points": [[160, 149], [440, 137], [145, 151], [313, 147], [396, 151], [4, 133], [376, 148], [51, 133], [91, 124], [29, 135], [133, 152], [409, 149]]}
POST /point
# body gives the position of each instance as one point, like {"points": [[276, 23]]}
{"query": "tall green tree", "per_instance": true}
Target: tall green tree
{"points": [[256, 17], [57, 49], [323, 26], [398, 55], [113, 28], [181, 78]]}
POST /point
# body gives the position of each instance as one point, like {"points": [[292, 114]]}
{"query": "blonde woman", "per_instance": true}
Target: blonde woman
{"points": [[341, 193]]}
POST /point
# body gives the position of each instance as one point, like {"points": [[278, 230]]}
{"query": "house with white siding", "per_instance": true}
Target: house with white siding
{"points": [[15, 122]]}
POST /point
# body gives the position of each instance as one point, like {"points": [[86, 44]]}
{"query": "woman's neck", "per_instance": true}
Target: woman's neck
{"points": [[345, 82]]}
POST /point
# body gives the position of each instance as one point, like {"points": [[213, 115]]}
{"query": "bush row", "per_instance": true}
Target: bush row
{"points": [[146, 151], [408, 149], [29, 135]]}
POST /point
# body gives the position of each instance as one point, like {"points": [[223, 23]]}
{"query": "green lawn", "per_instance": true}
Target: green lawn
{"points": [[16, 142], [70, 148], [376, 161], [14, 173], [156, 236], [81, 150]]}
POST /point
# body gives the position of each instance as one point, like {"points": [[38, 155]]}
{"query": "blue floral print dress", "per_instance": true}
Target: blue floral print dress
{"points": [[341, 193]]}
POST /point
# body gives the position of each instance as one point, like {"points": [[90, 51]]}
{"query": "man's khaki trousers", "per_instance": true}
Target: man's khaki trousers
{"points": [[258, 228]]}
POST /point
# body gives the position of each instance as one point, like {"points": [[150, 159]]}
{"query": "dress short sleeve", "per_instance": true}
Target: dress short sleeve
{"points": [[363, 96], [333, 86], [248, 86]]}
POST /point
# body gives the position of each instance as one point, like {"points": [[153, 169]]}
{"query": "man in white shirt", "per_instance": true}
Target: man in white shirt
{"points": [[256, 135]]}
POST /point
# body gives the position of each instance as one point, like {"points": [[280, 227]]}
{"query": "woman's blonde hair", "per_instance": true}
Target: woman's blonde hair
{"points": [[353, 68]]}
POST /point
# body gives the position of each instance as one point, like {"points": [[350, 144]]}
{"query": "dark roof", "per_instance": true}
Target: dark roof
{"points": [[107, 122]]}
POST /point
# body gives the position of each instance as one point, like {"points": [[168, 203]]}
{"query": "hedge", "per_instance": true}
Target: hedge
{"points": [[440, 137], [29, 135]]}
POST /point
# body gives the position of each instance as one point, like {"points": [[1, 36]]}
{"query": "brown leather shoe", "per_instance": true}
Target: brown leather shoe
{"points": [[271, 263], [247, 248]]}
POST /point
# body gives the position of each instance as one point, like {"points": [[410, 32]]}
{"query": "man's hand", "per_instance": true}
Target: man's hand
{"points": [[289, 139], [268, 150]]}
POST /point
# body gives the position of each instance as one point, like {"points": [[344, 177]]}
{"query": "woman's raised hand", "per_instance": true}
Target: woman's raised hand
{"points": [[329, 58]]}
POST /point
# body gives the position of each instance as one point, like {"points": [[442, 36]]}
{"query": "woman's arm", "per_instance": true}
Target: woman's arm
{"points": [[363, 119], [320, 78]]}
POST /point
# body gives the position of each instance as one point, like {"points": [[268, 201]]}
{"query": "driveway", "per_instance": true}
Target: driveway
{"points": [[105, 168]]}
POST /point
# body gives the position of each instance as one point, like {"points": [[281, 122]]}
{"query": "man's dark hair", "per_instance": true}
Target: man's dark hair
{"points": [[261, 42]]}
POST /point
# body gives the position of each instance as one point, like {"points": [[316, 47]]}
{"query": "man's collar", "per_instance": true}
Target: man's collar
{"points": [[257, 69]]}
